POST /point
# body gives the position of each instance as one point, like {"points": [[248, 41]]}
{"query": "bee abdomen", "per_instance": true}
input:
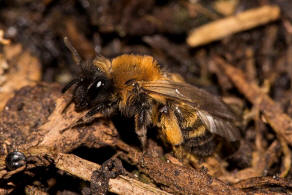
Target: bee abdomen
{"points": [[203, 145], [198, 140]]}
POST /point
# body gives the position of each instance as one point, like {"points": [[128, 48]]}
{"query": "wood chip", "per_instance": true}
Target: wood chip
{"points": [[243, 21]]}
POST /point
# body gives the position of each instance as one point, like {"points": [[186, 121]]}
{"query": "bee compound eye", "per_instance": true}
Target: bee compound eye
{"points": [[14, 160]]}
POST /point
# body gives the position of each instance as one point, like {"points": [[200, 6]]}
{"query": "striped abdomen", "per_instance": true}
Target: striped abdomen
{"points": [[197, 139]]}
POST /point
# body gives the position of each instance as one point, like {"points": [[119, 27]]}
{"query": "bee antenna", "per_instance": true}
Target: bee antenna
{"points": [[74, 52]]}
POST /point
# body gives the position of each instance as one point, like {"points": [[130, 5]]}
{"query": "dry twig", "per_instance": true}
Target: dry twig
{"points": [[120, 185], [233, 24]]}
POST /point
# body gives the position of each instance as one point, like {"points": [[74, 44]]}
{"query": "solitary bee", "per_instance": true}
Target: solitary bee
{"points": [[188, 117]]}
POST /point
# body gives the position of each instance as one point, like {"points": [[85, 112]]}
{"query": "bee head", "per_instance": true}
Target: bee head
{"points": [[91, 91], [93, 86]]}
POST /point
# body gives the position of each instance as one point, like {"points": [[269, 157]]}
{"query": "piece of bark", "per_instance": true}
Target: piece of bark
{"points": [[260, 181], [274, 115], [243, 21], [265, 185], [175, 178], [35, 127], [120, 185], [100, 133], [24, 113]]}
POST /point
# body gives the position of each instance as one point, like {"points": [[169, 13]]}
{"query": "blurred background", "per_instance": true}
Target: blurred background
{"points": [[157, 28]]}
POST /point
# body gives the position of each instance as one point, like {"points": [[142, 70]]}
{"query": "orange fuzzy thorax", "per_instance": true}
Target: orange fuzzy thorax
{"points": [[134, 67]]}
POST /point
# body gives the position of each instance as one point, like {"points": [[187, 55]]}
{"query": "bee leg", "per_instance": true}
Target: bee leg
{"points": [[67, 105], [141, 128], [69, 85], [178, 152], [170, 127], [106, 110], [93, 111], [87, 118], [141, 131]]}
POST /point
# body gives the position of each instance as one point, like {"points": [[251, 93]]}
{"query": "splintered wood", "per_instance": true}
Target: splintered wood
{"points": [[243, 21]]}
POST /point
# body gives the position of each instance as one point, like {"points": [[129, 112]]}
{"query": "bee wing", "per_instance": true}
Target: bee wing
{"points": [[212, 111]]}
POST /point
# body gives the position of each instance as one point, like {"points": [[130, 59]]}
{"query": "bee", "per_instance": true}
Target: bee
{"points": [[134, 85]]}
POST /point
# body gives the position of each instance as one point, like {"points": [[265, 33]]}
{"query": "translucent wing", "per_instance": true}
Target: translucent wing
{"points": [[212, 111]]}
